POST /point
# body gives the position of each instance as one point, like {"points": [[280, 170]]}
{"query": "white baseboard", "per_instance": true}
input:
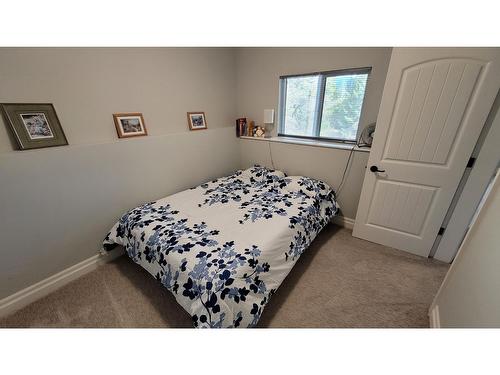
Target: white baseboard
{"points": [[345, 222], [36, 291], [434, 317]]}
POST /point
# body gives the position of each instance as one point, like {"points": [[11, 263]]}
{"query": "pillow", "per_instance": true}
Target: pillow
{"points": [[309, 186], [260, 175]]}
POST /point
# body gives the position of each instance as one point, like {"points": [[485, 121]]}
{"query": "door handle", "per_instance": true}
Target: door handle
{"points": [[375, 169]]}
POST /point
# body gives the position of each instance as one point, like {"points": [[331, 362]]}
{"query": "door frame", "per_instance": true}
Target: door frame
{"points": [[484, 169]]}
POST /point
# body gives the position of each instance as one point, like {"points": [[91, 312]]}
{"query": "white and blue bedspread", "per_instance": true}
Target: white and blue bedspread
{"points": [[224, 247]]}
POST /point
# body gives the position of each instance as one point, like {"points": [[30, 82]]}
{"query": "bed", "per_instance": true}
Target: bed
{"points": [[224, 247]]}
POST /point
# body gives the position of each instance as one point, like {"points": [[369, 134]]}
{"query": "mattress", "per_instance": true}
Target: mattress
{"points": [[224, 247]]}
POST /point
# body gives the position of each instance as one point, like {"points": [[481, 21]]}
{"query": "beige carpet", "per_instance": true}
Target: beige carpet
{"points": [[340, 281]]}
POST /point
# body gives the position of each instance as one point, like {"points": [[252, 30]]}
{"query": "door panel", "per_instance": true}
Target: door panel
{"points": [[434, 105], [433, 101], [400, 206], [456, 111], [428, 118], [440, 114]]}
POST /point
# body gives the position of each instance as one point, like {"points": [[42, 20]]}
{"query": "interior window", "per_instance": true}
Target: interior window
{"points": [[323, 105]]}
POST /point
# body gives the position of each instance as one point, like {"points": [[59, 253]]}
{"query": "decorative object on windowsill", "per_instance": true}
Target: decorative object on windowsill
{"points": [[34, 125], [197, 120], [251, 129], [260, 132], [129, 125], [268, 119], [268, 116], [241, 127], [366, 137]]}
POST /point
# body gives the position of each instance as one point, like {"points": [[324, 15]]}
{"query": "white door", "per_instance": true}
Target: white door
{"points": [[434, 105]]}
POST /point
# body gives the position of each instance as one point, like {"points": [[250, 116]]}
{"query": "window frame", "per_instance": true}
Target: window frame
{"points": [[319, 103]]}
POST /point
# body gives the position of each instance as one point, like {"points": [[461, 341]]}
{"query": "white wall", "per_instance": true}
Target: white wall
{"points": [[259, 69], [57, 204], [469, 294], [88, 85], [258, 72], [323, 163]]}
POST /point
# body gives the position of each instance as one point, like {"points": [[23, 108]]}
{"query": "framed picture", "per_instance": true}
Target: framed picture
{"points": [[197, 120], [34, 125], [129, 125]]}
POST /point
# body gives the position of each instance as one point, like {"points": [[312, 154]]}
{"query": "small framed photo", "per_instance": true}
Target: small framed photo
{"points": [[129, 125], [197, 120], [34, 125]]}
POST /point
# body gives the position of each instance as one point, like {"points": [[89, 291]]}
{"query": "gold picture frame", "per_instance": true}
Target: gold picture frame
{"points": [[130, 125], [197, 120]]}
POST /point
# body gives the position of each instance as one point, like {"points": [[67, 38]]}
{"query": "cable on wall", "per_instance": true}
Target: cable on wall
{"points": [[341, 185], [346, 168], [271, 154], [359, 144]]}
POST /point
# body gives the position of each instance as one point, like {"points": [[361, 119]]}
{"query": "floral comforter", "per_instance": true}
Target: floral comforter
{"points": [[224, 247]]}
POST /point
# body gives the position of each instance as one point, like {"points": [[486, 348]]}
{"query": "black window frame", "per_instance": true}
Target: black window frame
{"points": [[319, 103]]}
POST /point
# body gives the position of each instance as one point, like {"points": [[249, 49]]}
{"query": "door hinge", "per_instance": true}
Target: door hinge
{"points": [[471, 162], [441, 231]]}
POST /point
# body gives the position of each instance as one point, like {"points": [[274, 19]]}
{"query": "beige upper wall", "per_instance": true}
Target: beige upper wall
{"points": [[88, 85], [259, 69]]}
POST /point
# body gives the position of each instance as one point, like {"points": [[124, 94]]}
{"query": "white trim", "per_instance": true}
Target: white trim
{"points": [[309, 142], [434, 317], [343, 221], [36, 291]]}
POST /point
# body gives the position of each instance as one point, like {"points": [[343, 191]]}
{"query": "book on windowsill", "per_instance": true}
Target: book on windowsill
{"points": [[241, 127]]}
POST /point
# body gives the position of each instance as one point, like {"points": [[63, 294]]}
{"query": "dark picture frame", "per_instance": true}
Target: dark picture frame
{"points": [[197, 120], [130, 125], [34, 125]]}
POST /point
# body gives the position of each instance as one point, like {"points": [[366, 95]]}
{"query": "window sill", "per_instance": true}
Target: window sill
{"points": [[309, 142]]}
